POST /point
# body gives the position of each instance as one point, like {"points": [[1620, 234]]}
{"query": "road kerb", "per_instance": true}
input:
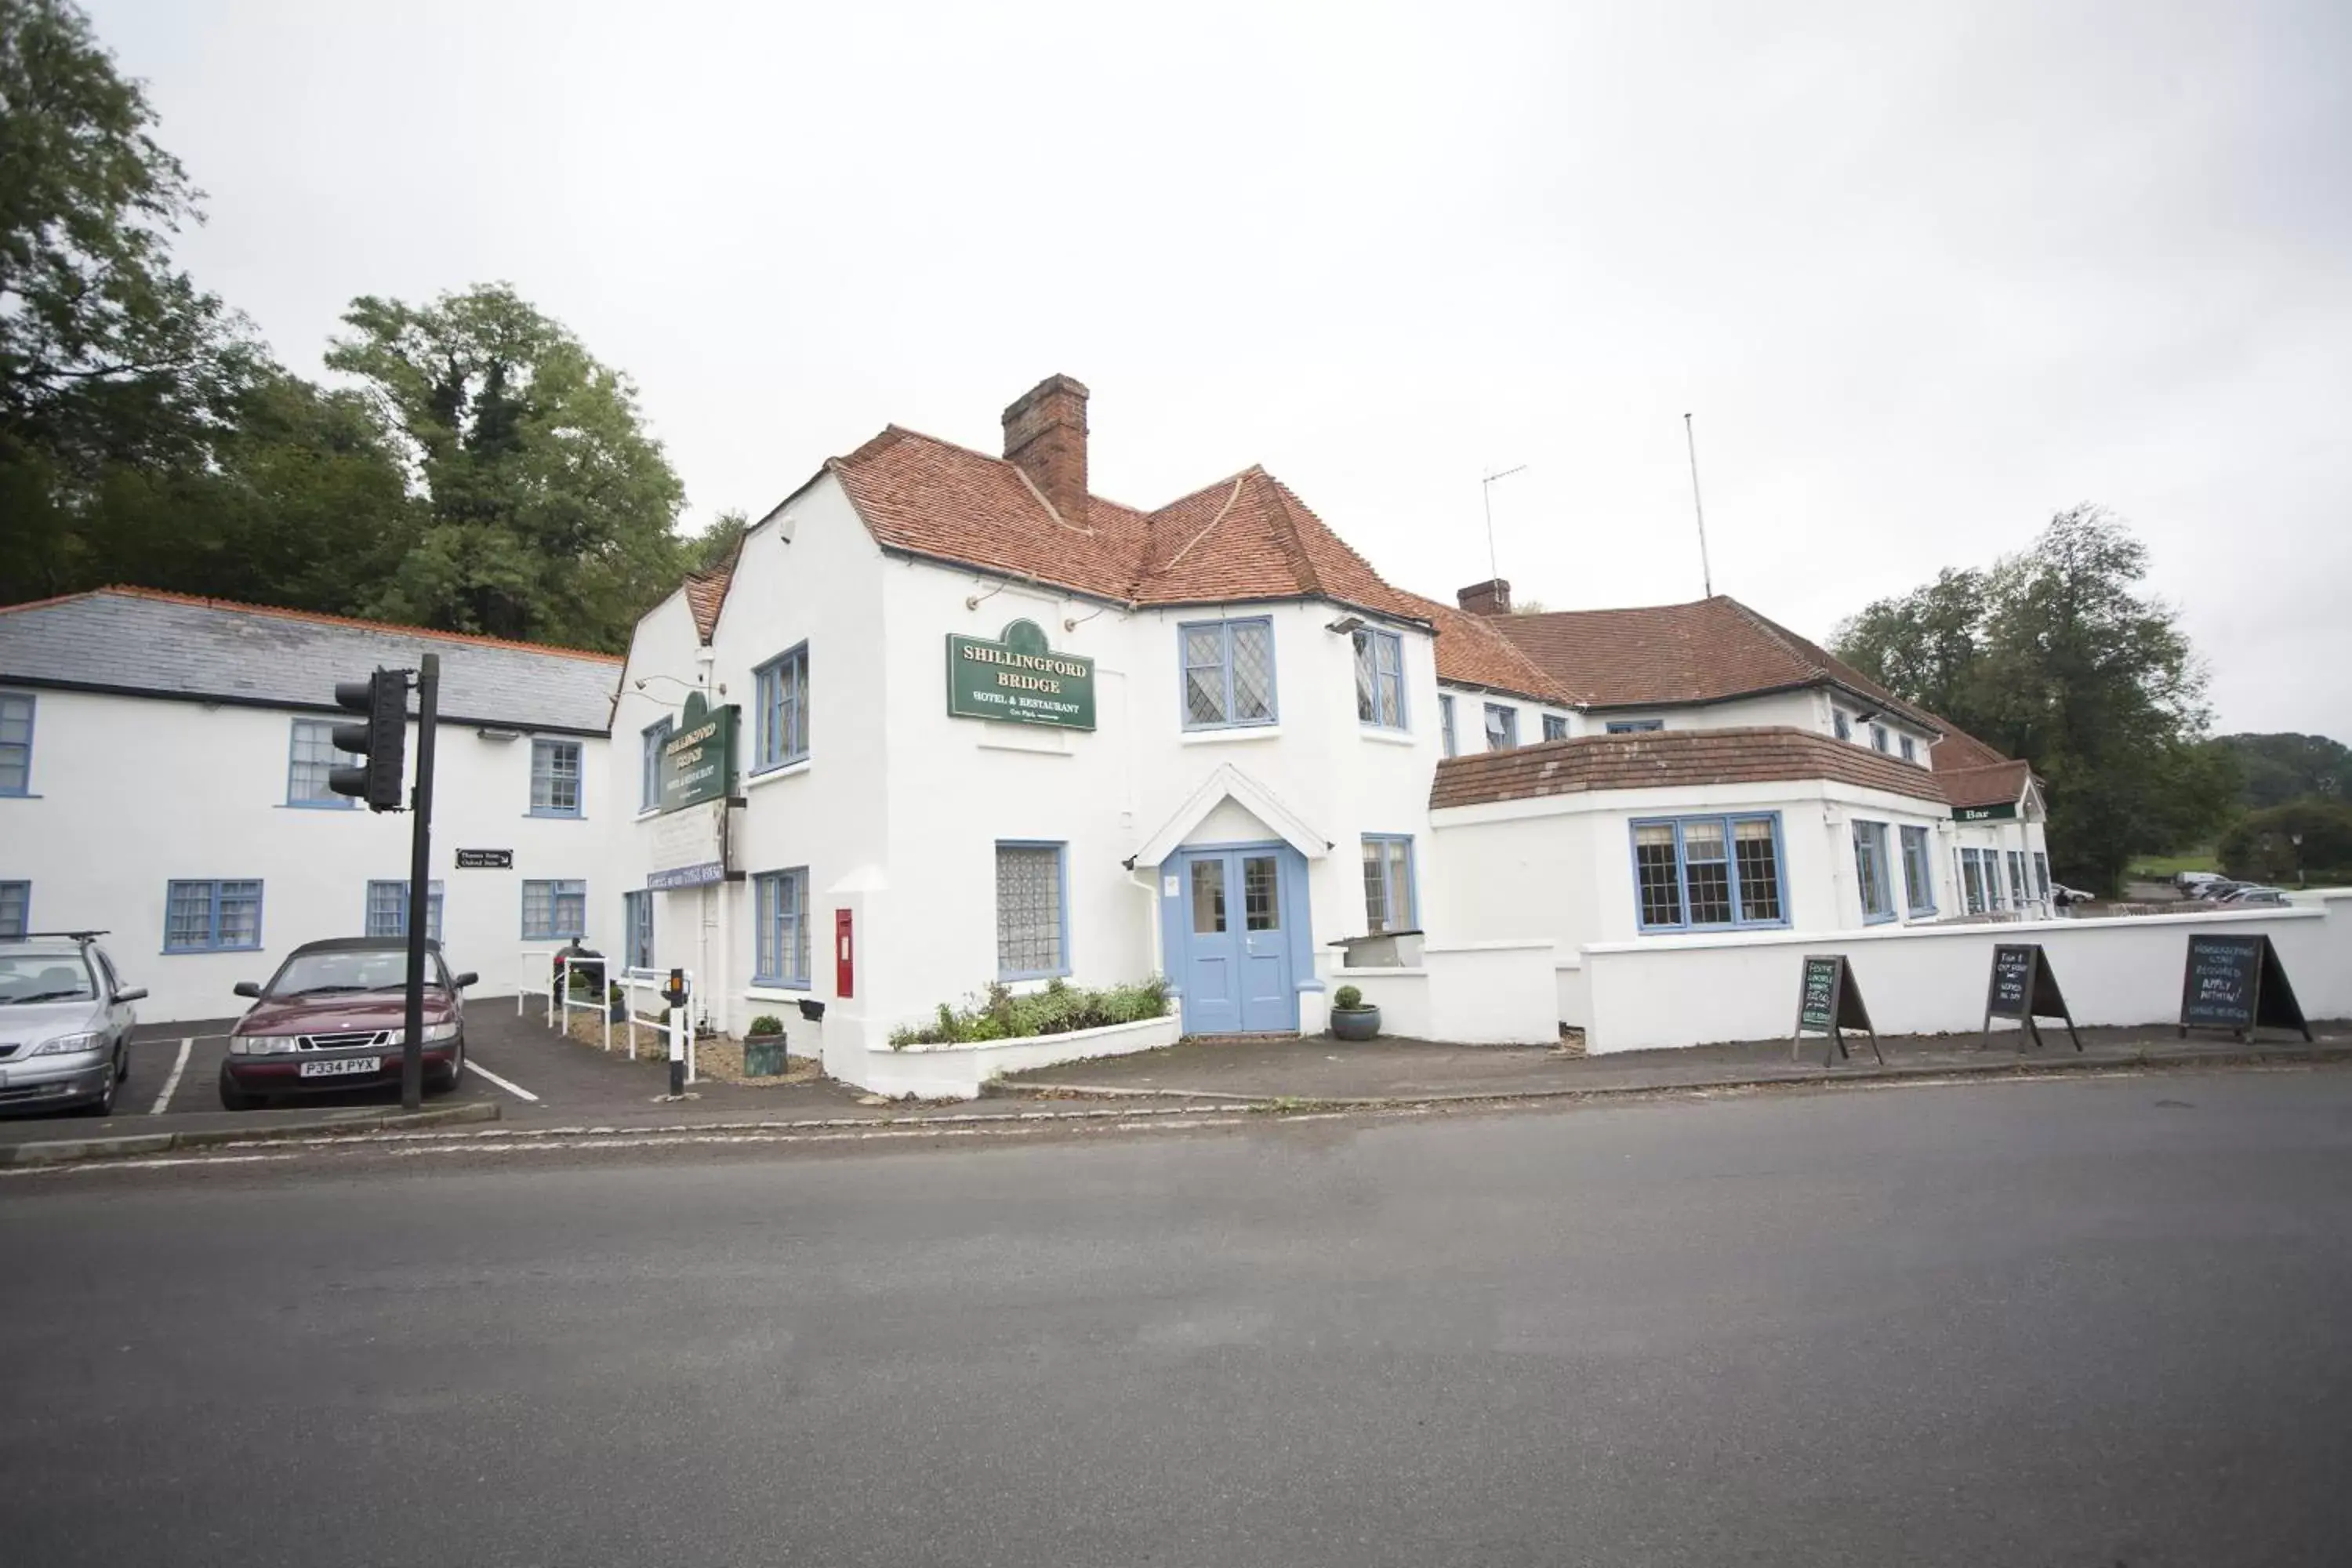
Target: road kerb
{"points": [[62, 1150]]}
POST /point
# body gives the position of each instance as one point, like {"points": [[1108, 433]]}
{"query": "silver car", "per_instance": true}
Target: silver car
{"points": [[64, 1024]]}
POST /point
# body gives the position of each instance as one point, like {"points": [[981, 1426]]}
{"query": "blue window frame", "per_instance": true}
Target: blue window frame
{"points": [[2041, 873], [212, 917], [311, 755], [637, 929], [780, 928], [1380, 678], [1842, 723], [1870, 872], [1445, 720], [387, 908], [1702, 873], [1033, 898], [554, 911], [1389, 903], [1910, 749], [1555, 726], [780, 710], [1879, 739], [1228, 673], [554, 778], [2019, 895], [1633, 726], [1502, 727], [655, 735], [15, 909], [1918, 873], [15, 742]]}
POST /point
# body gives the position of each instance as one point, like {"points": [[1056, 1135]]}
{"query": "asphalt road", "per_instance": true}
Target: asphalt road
{"points": [[2090, 1322]]}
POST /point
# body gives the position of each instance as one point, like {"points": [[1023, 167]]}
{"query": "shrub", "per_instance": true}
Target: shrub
{"points": [[996, 1013], [1346, 999], [767, 1024]]}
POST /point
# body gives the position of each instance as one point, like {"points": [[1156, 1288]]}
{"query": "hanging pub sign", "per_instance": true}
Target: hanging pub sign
{"points": [[698, 762], [2023, 988], [2237, 982], [1829, 1002], [1018, 680]]}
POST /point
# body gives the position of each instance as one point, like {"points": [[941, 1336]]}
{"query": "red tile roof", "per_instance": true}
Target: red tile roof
{"points": [[1672, 758], [706, 591], [1994, 784], [1669, 655]]}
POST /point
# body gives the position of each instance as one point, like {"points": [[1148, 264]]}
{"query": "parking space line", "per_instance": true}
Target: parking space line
{"points": [[473, 1064], [172, 1083]]}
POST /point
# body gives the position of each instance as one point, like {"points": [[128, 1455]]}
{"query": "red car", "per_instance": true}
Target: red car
{"points": [[332, 1019]]}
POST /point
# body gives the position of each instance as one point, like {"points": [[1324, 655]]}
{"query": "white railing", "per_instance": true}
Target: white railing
{"points": [[681, 1019], [561, 1002]]}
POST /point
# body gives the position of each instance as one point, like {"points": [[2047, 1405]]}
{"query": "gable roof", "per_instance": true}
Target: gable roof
{"points": [[1226, 783], [706, 591], [145, 642], [1664, 758], [1710, 650], [1993, 783]]}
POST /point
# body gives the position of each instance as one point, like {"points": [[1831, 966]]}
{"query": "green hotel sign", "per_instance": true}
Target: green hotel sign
{"points": [[2004, 812], [1019, 680], [698, 762]]}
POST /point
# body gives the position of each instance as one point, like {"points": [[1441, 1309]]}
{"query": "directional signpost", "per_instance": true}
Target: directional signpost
{"points": [[1829, 1002], [2024, 989]]}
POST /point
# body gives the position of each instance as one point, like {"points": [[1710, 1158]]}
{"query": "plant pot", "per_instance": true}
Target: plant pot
{"points": [[619, 1012], [763, 1056], [1355, 1023]]}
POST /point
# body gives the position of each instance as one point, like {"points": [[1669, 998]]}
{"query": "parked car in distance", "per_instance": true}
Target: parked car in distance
{"points": [[332, 1019], [64, 1024], [2064, 896], [2193, 883], [2241, 893]]}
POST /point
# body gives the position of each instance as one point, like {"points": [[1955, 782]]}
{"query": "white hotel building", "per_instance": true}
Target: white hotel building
{"points": [[1237, 748]]}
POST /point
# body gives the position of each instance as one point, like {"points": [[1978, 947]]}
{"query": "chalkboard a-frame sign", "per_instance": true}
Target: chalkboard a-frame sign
{"points": [[2237, 982], [1829, 1002], [2023, 988]]}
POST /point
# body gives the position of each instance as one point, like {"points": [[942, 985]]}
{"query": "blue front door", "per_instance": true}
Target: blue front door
{"points": [[1234, 928]]}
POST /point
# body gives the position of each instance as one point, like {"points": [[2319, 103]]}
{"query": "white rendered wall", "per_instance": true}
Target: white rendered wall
{"points": [[129, 793], [1687, 991]]}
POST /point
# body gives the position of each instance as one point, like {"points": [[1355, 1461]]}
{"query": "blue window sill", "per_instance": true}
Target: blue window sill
{"points": [[184, 952], [1394, 734], [781, 982], [320, 805], [20, 794], [1870, 920], [1008, 978], [1210, 733], [561, 815]]}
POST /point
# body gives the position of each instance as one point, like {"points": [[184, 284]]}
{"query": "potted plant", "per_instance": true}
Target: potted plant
{"points": [[617, 1003], [763, 1048], [1352, 1018]]}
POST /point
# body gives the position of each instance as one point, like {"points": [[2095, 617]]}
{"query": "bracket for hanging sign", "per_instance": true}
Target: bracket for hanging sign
{"points": [[1829, 1002]]}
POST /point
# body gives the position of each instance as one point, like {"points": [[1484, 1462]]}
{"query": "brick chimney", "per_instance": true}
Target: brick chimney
{"points": [[1492, 597], [1045, 435]]}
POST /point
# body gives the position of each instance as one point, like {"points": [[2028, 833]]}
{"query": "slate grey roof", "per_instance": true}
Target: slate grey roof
{"points": [[142, 641]]}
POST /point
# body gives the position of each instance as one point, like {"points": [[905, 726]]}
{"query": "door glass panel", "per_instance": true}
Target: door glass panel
{"points": [[1208, 897], [1260, 905]]}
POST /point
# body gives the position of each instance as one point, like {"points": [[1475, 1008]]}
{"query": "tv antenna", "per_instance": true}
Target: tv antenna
{"points": [[1706, 574], [1486, 491]]}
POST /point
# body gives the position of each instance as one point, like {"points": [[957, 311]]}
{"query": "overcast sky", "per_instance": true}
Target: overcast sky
{"points": [[1925, 274]]}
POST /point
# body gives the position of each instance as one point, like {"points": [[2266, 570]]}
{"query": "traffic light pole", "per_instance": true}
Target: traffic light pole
{"points": [[420, 883]]}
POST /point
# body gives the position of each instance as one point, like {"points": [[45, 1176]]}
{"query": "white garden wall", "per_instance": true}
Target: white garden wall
{"points": [[1689, 991]]}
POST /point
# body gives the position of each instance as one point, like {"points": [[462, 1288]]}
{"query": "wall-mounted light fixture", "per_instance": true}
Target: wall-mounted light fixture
{"points": [[1346, 625]]}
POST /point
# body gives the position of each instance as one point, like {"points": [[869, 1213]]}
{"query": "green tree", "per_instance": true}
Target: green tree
{"points": [[2262, 847], [716, 541], [2057, 657], [2285, 767], [548, 510], [110, 358]]}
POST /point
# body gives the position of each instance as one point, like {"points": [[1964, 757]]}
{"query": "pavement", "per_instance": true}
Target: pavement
{"points": [[1327, 1071], [2092, 1321], [532, 1080]]}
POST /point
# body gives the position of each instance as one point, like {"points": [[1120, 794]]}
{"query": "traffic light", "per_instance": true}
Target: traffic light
{"points": [[383, 740]]}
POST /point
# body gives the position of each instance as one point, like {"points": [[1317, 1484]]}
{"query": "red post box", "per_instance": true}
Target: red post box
{"points": [[845, 957]]}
